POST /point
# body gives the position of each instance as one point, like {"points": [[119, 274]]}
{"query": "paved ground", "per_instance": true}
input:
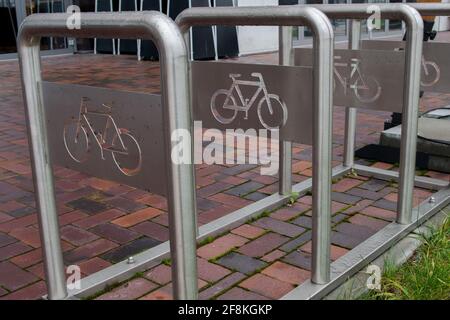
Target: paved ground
{"points": [[104, 222]]}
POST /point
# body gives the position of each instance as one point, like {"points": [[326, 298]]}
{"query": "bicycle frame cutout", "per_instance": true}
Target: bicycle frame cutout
{"points": [[122, 145], [247, 104], [362, 87]]}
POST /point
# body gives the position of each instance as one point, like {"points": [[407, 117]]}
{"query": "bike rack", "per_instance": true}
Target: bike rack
{"points": [[322, 129], [176, 113], [407, 218], [364, 253]]}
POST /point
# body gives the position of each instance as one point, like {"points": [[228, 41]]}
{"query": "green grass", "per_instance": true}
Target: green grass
{"points": [[424, 277]]}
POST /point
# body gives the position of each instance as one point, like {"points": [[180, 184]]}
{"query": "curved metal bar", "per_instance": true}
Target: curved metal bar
{"points": [[177, 115], [322, 98], [414, 47], [432, 9]]}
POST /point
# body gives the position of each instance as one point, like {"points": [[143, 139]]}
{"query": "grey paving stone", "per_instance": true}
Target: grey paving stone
{"points": [[213, 189], [221, 286], [125, 204], [115, 233], [284, 228], [297, 242], [244, 189], [303, 221], [374, 185], [345, 198], [205, 204], [263, 245], [121, 253], [338, 218], [238, 169], [241, 263], [344, 240], [366, 194], [355, 230], [22, 212], [255, 196], [6, 239], [385, 204], [299, 259], [87, 205]]}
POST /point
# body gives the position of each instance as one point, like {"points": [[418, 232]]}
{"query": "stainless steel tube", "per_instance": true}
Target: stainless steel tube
{"points": [[414, 47], [432, 9], [322, 97], [285, 151], [351, 113], [177, 115]]}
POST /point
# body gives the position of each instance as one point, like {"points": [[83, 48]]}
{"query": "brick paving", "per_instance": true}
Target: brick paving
{"points": [[103, 222]]}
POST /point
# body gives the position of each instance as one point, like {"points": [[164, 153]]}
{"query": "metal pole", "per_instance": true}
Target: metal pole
{"points": [[285, 148], [322, 98], [177, 115], [410, 117], [350, 113], [413, 53]]}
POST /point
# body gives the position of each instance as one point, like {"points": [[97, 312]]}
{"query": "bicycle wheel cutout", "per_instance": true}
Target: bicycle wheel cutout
{"points": [[221, 111], [128, 161], [431, 74], [76, 141], [275, 116], [368, 91]]}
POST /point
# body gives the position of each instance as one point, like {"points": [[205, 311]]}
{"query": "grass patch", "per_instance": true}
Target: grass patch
{"points": [[426, 276], [167, 262], [293, 198]]}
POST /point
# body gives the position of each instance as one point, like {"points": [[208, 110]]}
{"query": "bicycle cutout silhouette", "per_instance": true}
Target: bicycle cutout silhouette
{"points": [[366, 89], [123, 146], [272, 112], [431, 73]]}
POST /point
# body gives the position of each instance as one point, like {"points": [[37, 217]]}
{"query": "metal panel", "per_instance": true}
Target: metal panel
{"points": [[176, 115], [360, 78], [213, 82], [140, 164], [435, 67]]}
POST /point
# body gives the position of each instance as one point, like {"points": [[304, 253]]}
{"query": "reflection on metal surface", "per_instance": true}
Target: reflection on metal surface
{"points": [[278, 106], [435, 75], [360, 78], [366, 88], [113, 140], [223, 100], [123, 146]]}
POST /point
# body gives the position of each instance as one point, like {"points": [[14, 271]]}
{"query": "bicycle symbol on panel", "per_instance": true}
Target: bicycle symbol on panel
{"points": [[366, 89], [272, 112], [124, 148], [431, 73]]}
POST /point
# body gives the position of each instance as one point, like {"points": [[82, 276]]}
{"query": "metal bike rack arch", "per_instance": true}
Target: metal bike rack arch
{"points": [[425, 9], [177, 115], [408, 218], [322, 104]]}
